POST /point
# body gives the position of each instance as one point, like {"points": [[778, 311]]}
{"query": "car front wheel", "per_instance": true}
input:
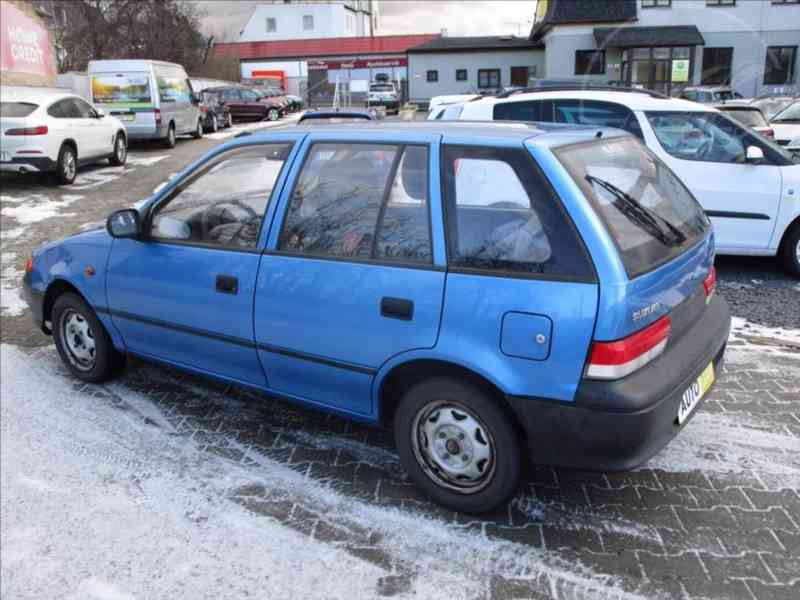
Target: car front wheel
{"points": [[171, 138], [457, 444], [273, 114], [198, 131], [790, 251], [82, 340], [120, 154], [214, 124]]}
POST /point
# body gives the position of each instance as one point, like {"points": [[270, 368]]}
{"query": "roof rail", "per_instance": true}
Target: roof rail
{"points": [[581, 88]]}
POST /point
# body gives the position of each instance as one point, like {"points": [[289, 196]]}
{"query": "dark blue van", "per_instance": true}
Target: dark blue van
{"points": [[493, 291]]}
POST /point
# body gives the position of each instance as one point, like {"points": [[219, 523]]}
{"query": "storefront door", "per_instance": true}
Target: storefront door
{"points": [[663, 69]]}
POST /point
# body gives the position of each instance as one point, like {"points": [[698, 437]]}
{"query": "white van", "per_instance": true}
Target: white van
{"points": [[153, 99]]}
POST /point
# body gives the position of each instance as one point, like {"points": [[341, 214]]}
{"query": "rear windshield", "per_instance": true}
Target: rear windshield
{"points": [[116, 88], [381, 88], [747, 116], [16, 109], [649, 213]]}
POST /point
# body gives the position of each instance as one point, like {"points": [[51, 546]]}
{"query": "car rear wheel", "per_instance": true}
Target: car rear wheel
{"points": [[82, 340], [457, 444], [273, 114], [229, 120], [214, 124], [67, 165], [790, 251], [198, 130], [120, 151], [171, 139]]}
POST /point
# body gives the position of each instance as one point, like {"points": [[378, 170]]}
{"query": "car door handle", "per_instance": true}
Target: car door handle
{"points": [[227, 284], [397, 308]]}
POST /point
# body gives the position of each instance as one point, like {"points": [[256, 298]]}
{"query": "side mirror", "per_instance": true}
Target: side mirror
{"points": [[99, 113], [195, 99], [754, 154], [124, 224]]}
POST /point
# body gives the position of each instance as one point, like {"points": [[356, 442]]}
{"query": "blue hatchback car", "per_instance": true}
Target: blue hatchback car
{"points": [[495, 292]]}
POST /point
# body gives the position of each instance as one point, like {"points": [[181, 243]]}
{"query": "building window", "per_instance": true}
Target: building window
{"points": [[716, 66], [720, 2], [461, 74], [656, 3], [779, 65], [432, 76], [308, 22], [271, 25], [786, 1], [590, 62], [488, 78]]}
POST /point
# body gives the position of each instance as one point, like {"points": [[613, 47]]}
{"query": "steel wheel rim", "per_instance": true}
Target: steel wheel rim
{"points": [[120, 149], [453, 447], [273, 115], [69, 165], [199, 128], [214, 125], [171, 135], [797, 252], [79, 341]]}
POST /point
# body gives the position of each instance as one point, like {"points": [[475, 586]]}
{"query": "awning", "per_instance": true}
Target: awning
{"points": [[630, 37]]}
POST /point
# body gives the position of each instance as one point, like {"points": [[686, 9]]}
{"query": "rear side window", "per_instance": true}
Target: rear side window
{"points": [[648, 212], [361, 201], [503, 217], [12, 110]]}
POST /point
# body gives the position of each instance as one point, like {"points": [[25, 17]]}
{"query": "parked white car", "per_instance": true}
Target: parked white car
{"points": [[53, 131], [786, 125], [438, 104], [748, 185]]}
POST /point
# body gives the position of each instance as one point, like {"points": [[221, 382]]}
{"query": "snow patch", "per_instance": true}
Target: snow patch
{"points": [[38, 207], [11, 302]]}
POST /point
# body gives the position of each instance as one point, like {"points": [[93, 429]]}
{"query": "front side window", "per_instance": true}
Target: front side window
{"points": [[648, 212], [84, 109], [488, 78], [503, 217], [224, 203], [361, 201], [432, 76], [702, 136], [590, 62], [779, 65]]}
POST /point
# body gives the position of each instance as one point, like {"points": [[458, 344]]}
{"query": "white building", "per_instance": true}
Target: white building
{"points": [[292, 20]]}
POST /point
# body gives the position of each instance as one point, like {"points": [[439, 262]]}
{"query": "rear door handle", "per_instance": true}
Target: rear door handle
{"points": [[227, 284], [397, 308]]}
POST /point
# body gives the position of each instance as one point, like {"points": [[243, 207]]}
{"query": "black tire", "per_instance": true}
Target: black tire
{"points": [[273, 114], [120, 155], [106, 358], [198, 130], [790, 251], [229, 120], [214, 124], [67, 165], [500, 474], [171, 138]]}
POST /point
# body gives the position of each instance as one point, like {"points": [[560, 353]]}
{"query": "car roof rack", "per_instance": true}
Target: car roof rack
{"points": [[582, 88]]}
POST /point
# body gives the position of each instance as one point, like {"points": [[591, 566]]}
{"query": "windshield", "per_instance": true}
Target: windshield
{"points": [[128, 88], [747, 116], [648, 212], [726, 95], [789, 115], [383, 87], [16, 109]]}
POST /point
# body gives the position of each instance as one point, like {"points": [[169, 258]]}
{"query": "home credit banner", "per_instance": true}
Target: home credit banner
{"points": [[370, 63], [24, 44]]}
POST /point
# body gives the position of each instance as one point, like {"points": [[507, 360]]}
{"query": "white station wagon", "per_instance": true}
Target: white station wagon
{"points": [[748, 185]]}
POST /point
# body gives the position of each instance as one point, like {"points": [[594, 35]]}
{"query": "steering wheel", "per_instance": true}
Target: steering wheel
{"points": [[206, 228]]}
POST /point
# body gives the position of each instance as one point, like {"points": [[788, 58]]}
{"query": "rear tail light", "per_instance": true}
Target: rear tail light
{"points": [[203, 109], [770, 133], [29, 264], [157, 113], [40, 130], [614, 360], [710, 283]]}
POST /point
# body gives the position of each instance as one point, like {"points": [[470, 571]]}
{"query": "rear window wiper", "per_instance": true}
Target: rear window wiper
{"points": [[641, 215]]}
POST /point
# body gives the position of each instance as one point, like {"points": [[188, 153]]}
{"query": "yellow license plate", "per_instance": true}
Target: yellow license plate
{"points": [[695, 392]]}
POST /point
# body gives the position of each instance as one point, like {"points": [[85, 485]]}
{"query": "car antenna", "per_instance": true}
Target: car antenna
{"points": [[242, 134]]}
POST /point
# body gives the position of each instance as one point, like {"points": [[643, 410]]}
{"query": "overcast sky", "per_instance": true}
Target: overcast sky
{"points": [[225, 18]]}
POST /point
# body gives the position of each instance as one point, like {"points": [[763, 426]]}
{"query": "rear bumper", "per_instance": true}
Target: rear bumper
{"points": [[25, 164], [618, 425]]}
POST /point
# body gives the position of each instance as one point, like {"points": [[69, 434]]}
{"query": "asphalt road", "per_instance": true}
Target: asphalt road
{"points": [[715, 515]]}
